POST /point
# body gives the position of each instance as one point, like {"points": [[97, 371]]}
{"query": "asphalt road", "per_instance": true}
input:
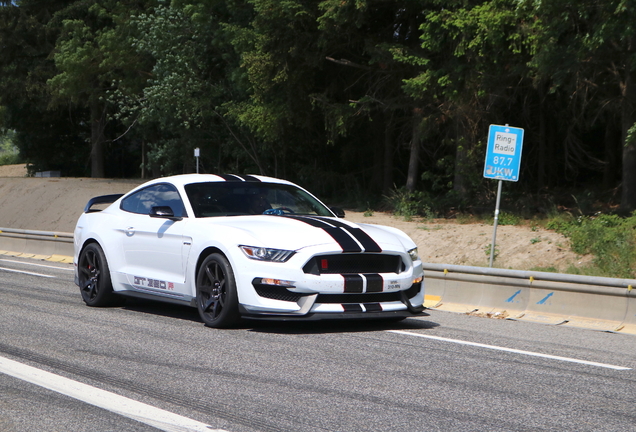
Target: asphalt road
{"points": [[150, 366]]}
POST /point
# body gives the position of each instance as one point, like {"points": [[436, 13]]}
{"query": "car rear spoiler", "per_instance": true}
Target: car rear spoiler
{"points": [[103, 199]]}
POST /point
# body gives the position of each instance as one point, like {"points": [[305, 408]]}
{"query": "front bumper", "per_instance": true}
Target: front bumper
{"points": [[320, 283], [315, 306]]}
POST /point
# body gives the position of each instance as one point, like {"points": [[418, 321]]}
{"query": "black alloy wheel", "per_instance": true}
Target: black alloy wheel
{"points": [[94, 277], [217, 300]]}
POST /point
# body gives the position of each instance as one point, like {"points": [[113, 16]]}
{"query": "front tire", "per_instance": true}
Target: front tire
{"points": [[217, 300], [94, 277]]}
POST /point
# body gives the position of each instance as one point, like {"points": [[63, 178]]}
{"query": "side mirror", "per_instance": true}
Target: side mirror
{"points": [[164, 212], [338, 211]]}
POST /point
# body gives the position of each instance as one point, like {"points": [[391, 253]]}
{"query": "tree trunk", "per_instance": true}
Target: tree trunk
{"points": [[459, 181], [387, 177], [612, 149], [98, 123], [143, 158], [628, 120], [414, 158], [541, 168]]}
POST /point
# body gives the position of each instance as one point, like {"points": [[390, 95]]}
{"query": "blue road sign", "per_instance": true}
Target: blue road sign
{"points": [[503, 156]]}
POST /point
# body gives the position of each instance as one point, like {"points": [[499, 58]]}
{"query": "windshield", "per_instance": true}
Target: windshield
{"points": [[211, 199]]}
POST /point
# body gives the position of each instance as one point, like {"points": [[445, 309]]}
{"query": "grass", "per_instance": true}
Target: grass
{"points": [[611, 239], [550, 269]]}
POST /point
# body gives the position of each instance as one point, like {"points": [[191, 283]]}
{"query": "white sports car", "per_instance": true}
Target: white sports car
{"points": [[243, 246]]}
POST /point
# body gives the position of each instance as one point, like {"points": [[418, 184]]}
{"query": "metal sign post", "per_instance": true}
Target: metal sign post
{"points": [[495, 223], [503, 160]]}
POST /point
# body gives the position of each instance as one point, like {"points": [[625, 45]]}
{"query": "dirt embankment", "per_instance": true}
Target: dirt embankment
{"points": [[54, 204]]}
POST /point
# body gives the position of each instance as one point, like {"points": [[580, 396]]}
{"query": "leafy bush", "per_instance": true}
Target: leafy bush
{"points": [[9, 154], [610, 238], [9, 158], [409, 204], [506, 218]]}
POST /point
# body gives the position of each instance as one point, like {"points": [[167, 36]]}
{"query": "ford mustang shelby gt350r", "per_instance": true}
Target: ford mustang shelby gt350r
{"points": [[243, 246]]}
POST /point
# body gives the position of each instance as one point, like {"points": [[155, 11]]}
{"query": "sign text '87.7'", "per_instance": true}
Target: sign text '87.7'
{"points": [[503, 155]]}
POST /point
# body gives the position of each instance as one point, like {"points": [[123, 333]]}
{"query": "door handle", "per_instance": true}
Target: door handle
{"points": [[130, 231]]}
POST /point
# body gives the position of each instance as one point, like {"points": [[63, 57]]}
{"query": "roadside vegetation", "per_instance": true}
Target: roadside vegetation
{"points": [[591, 225], [383, 103], [9, 152], [609, 237], [349, 98]]}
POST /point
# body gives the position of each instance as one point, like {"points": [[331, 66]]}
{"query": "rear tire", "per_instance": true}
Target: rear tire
{"points": [[217, 299], [94, 277]]}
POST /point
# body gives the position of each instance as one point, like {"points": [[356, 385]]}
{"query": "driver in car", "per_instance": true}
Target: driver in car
{"points": [[258, 203]]}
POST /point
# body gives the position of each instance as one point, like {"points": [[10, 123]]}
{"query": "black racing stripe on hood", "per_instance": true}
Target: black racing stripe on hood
{"points": [[365, 239], [343, 238]]}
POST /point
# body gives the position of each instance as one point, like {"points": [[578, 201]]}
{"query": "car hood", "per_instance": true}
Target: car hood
{"points": [[295, 233]]}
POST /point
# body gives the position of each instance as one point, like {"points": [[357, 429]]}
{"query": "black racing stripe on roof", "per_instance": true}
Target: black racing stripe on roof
{"points": [[249, 178], [344, 239], [365, 239], [237, 177], [230, 177]]}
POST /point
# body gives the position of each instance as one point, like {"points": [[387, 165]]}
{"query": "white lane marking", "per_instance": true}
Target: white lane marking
{"points": [[512, 350], [38, 265], [26, 272], [158, 418]]}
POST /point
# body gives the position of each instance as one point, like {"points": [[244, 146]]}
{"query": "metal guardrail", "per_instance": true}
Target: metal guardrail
{"points": [[36, 242], [64, 236], [533, 275]]}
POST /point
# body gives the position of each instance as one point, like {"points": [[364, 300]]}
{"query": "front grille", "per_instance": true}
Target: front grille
{"points": [[354, 264], [369, 297]]}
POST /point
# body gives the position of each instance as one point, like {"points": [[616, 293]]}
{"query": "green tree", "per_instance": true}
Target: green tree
{"points": [[473, 63], [588, 51], [194, 74], [363, 96], [48, 139], [93, 57]]}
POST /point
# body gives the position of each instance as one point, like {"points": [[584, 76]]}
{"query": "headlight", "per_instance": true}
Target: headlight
{"points": [[267, 254], [413, 254]]}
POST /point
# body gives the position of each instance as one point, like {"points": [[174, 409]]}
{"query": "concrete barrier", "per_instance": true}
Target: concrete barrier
{"points": [[467, 293], [606, 304], [578, 305], [629, 325]]}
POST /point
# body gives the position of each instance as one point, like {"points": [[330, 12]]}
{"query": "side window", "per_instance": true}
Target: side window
{"points": [[141, 202]]}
